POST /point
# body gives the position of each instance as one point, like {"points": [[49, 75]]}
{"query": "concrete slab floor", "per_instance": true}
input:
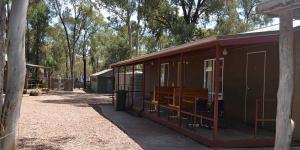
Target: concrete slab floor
{"points": [[150, 135]]}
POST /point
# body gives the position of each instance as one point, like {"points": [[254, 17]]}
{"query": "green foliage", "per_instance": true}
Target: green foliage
{"points": [[163, 18], [78, 28], [108, 47], [239, 16], [56, 49], [37, 24]]}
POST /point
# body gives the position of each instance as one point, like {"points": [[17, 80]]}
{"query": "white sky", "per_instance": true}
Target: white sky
{"points": [[210, 25]]}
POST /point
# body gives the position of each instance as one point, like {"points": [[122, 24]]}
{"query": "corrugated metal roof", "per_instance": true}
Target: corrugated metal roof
{"points": [[37, 66], [103, 73], [296, 23]]}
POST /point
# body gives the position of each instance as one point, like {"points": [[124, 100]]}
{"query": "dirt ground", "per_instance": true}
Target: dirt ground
{"points": [[65, 120], [80, 121]]}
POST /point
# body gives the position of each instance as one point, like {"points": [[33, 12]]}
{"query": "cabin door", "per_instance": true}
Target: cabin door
{"points": [[255, 84]]}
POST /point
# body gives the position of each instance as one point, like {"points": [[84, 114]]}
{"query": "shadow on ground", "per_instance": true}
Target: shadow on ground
{"points": [[43, 144], [149, 135], [77, 103], [78, 99]]}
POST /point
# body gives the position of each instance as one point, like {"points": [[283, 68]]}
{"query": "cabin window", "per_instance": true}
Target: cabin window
{"points": [[209, 72], [164, 74]]}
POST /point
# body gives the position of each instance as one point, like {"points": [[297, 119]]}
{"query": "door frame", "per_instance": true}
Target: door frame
{"points": [[264, 82]]}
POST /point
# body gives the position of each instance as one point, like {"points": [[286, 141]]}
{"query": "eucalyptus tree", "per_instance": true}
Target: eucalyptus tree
{"points": [[94, 23], [10, 110], [37, 24], [122, 11], [57, 56], [249, 15], [229, 17], [195, 12], [2, 46], [239, 16], [72, 15], [160, 19]]}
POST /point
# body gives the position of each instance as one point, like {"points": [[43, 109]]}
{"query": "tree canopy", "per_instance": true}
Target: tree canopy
{"points": [[95, 34]]}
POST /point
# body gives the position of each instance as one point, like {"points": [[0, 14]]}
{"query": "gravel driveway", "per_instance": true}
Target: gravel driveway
{"points": [[64, 120], [70, 121]]}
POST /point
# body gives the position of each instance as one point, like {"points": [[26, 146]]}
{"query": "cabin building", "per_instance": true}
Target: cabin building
{"points": [[220, 91]]}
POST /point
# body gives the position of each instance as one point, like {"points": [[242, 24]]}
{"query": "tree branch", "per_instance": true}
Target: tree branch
{"points": [[186, 16], [197, 13]]}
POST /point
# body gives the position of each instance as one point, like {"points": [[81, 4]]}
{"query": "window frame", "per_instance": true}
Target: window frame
{"points": [[212, 93]]}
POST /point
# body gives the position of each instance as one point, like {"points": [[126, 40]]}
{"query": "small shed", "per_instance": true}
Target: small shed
{"points": [[102, 82]]}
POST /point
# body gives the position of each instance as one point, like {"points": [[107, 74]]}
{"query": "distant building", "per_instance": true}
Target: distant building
{"points": [[102, 82]]}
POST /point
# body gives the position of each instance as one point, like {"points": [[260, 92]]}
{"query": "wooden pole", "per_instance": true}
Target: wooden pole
{"points": [[144, 87], [158, 97], [180, 94], [132, 88], [113, 70], [118, 84], [26, 79], [284, 124], [49, 79], [216, 97], [127, 99], [113, 95], [124, 75]]}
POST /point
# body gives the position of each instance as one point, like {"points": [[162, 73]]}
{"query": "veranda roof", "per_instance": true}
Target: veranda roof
{"points": [[274, 7]]}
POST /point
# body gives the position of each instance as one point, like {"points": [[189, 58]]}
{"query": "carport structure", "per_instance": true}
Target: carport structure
{"points": [[37, 76]]}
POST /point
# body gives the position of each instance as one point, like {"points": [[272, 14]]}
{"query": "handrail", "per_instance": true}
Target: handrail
{"points": [[169, 107], [198, 116]]}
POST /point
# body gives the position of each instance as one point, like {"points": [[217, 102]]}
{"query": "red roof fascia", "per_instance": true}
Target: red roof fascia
{"points": [[234, 41], [166, 54]]}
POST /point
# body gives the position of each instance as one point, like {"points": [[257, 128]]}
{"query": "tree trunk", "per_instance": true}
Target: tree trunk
{"points": [[284, 124], [2, 48], [72, 56], [72, 69], [27, 46], [138, 30], [37, 47], [84, 71], [67, 64], [16, 74], [129, 30], [97, 65], [70, 78]]}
